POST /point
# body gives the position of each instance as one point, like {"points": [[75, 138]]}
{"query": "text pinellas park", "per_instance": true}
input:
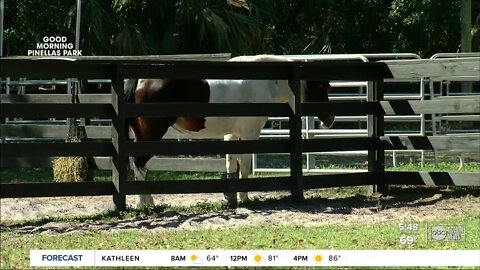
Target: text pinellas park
{"points": [[54, 46]]}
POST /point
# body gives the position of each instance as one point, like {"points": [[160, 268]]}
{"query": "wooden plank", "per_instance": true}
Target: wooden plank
{"points": [[55, 149], [53, 68], [207, 186], [51, 131], [436, 69], [26, 162], [180, 164], [340, 144], [342, 108], [463, 143], [432, 178], [23, 190], [66, 67], [148, 58], [375, 128], [105, 163], [210, 70], [46, 110], [119, 138], [55, 98], [454, 105], [256, 70], [132, 58], [207, 109], [206, 147], [351, 71], [339, 180], [394, 107], [459, 117], [296, 149]]}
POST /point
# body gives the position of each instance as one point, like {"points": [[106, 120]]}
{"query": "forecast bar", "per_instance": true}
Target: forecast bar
{"points": [[204, 258]]}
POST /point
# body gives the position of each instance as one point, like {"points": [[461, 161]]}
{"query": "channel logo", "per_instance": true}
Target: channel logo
{"points": [[443, 232]]}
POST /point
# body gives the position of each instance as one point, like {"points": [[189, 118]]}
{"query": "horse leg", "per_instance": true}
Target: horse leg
{"points": [[147, 129], [232, 170], [245, 164], [140, 172], [245, 160]]}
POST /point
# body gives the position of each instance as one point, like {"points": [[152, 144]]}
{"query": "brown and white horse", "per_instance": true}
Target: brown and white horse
{"points": [[215, 91]]}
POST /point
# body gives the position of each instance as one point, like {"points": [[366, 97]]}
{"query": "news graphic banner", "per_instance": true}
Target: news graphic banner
{"points": [[63, 258]]}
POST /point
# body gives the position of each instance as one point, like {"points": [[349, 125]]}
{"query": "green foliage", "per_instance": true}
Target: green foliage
{"points": [[136, 27], [28, 21], [358, 26], [425, 27]]}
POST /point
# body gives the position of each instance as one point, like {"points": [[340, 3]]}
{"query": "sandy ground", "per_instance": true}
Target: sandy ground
{"points": [[420, 204], [269, 208]]}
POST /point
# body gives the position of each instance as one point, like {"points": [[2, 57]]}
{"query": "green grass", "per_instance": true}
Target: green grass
{"points": [[414, 166], [15, 247], [440, 167], [46, 175]]}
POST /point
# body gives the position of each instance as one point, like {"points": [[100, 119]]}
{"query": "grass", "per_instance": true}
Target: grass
{"points": [[46, 175], [415, 166], [440, 167], [15, 247]]}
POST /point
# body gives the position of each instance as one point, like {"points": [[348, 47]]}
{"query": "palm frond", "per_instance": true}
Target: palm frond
{"points": [[238, 3]]}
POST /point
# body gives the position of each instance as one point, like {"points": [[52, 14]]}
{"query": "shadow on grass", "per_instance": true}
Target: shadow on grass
{"points": [[165, 216], [394, 197]]}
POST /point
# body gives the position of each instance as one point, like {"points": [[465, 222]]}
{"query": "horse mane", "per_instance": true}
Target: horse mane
{"points": [[129, 87]]}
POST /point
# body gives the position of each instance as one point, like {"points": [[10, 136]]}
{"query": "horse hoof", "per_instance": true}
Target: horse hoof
{"points": [[145, 201], [230, 200], [243, 197]]}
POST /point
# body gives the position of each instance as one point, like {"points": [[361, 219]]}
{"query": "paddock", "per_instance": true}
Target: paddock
{"points": [[118, 147]]}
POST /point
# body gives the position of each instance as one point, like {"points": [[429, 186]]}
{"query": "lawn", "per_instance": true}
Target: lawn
{"points": [[16, 247]]}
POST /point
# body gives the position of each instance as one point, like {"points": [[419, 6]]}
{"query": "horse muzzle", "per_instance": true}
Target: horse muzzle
{"points": [[327, 121]]}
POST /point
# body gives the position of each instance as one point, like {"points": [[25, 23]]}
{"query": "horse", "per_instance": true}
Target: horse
{"points": [[231, 128]]}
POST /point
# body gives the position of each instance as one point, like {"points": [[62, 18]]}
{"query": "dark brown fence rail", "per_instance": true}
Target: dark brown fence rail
{"points": [[120, 148]]}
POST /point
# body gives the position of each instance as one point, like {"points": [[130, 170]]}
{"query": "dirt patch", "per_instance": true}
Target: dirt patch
{"points": [[268, 209]]}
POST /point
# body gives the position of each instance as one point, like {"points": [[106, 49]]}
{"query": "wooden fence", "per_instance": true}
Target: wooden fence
{"points": [[120, 148]]}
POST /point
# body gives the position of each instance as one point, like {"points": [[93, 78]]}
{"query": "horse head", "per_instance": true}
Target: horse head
{"points": [[317, 91]]}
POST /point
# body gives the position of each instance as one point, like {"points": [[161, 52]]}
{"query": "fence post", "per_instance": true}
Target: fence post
{"points": [[375, 128], [119, 136], [295, 125]]}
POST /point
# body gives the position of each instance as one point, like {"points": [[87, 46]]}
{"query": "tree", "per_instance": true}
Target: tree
{"points": [[425, 27], [187, 26], [136, 27], [96, 26], [28, 21]]}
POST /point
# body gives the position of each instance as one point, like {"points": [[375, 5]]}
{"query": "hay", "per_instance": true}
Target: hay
{"points": [[73, 169], [70, 169]]}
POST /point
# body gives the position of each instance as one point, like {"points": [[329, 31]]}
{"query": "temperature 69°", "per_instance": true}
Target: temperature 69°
{"points": [[407, 240]]}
